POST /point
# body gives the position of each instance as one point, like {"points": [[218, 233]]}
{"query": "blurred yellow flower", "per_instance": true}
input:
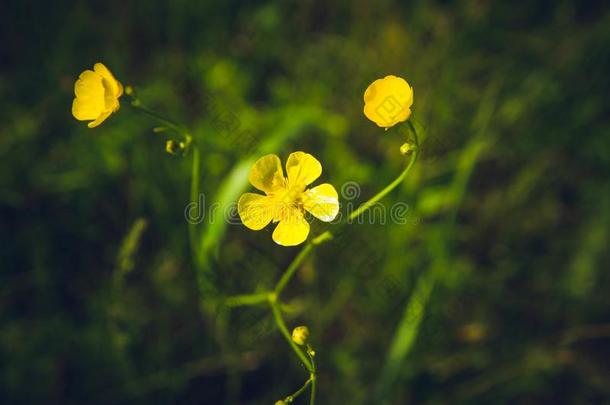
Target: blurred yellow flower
{"points": [[97, 95], [287, 198], [388, 101]]}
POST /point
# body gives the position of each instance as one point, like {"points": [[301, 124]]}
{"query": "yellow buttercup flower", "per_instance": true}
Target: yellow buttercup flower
{"points": [[388, 101], [97, 95], [287, 198]]}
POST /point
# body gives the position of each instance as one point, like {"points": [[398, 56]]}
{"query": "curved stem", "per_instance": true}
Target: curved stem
{"points": [[164, 120], [291, 397], [366, 205], [137, 104], [277, 315]]}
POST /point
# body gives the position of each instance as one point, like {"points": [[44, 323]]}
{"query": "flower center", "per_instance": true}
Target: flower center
{"points": [[292, 196]]}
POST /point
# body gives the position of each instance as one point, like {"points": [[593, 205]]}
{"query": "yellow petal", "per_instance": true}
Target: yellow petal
{"points": [[388, 101], [99, 119], [83, 109], [292, 229], [89, 102], [302, 169], [267, 175], [255, 210], [322, 202], [89, 84], [110, 83]]}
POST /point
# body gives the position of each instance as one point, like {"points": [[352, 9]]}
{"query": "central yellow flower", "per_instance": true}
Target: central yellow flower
{"points": [[97, 95], [287, 198]]}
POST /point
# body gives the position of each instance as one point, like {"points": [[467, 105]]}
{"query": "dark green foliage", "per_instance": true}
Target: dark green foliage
{"points": [[509, 202]]}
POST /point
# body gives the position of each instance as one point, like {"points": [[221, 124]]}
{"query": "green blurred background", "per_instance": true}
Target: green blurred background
{"points": [[509, 203]]}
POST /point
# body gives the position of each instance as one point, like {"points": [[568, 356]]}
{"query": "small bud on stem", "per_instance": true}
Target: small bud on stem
{"points": [[300, 334]]}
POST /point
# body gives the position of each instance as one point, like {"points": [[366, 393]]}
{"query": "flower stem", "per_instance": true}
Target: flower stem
{"points": [[312, 399], [164, 120], [313, 377], [247, 299], [366, 205], [292, 268], [137, 104], [277, 315], [291, 397]]}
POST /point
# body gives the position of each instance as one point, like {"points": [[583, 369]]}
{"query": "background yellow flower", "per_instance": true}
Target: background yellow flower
{"points": [[97, 95], [287, 198], [388, 101]]}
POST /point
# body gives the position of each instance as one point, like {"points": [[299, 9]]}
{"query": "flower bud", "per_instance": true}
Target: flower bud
{"points": [[300, 334], [173, 147], [406, 148]]}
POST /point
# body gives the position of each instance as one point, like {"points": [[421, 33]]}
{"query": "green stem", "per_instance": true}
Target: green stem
{"points": [[365, 206], [312, 399], [196, 162], [166, 121], [277, 315], [292, 268], [313, 377], [247, 299], [291, 398], [137, 104]]}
